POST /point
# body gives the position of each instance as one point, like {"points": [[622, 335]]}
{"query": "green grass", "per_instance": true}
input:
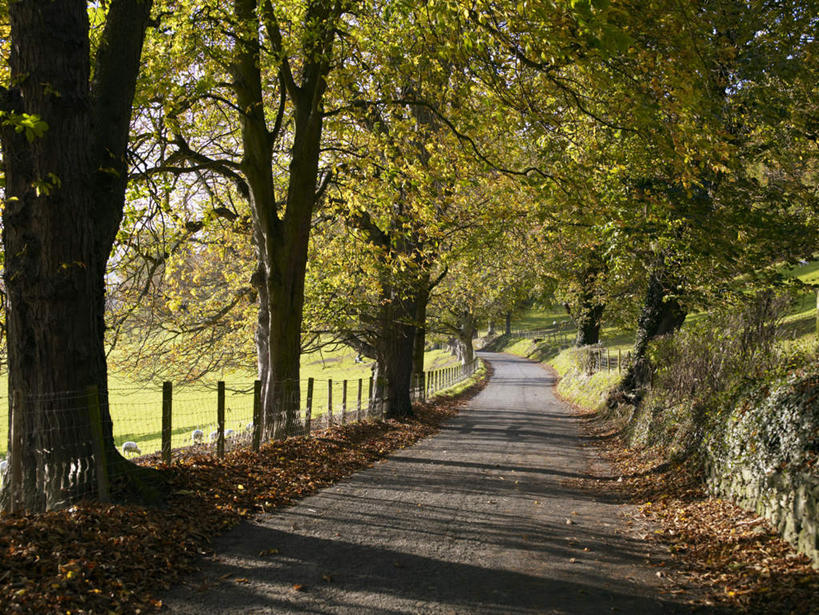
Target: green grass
{"points": [[800, 324], [136, 409], [588, 391], [541, 318], [460, 387], [545, 318]]}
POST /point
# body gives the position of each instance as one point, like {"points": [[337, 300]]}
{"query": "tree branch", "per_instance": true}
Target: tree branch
{"points": [[271, 24]]}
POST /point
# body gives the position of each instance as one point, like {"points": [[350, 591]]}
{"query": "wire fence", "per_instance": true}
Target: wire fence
{"points": [[61, 446], [594, 359], [561, 336]]}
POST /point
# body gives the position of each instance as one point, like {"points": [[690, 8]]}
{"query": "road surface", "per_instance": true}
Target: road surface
{"points": [[480, 518]]}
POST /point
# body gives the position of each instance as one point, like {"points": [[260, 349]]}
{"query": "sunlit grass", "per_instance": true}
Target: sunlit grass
{"points": [[136, 408]]}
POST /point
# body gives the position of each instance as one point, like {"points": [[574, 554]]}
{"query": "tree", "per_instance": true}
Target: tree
{"points": [[64, 135], [265, 66], [489, 272]]}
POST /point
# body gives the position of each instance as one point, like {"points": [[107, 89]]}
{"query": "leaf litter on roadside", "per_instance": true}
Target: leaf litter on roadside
{"points": [[98, 558], [737, 558]]}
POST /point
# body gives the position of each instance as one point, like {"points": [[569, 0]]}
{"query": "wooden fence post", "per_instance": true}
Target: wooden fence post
{"points": [[98, 444], [16, 454], [344, 402], [386, 402], [308, 416], [329, 402], [619, 360], [370, 398], [220, 419], [358, 404], [167, 408], [256, 443]]}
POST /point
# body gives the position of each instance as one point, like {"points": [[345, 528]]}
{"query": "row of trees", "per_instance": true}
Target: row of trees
{"points": [[253, 177]]}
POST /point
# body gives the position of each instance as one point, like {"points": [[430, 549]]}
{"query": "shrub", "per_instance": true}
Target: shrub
{"points": [[709, 362]]}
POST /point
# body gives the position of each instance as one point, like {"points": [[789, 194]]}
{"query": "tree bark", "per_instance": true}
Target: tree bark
{"points": [[282, 231], [661, 314], [394, 348], [588, 321], [419, 343], [589, 309], [466, 333], [65, 193]]}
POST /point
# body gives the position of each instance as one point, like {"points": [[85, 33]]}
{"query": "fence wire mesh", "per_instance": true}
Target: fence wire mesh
{"points": [[62, 445]]}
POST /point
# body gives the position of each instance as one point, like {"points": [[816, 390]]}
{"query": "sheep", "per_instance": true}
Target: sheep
{"points": [[197, 436], [214, 436], [130, 447]]}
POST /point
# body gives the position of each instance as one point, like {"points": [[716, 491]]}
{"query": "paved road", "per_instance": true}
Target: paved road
{"points": [[477, 519]]}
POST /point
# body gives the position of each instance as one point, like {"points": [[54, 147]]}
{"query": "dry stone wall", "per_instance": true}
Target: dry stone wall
{"points": [[766, 459]]}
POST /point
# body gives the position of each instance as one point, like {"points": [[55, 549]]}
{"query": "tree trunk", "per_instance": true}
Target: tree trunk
{"points": [[660, 314], [395, 351], [589, 308], [419, 344], [282, 395], [508, 323], [466, 334], [262, 333], [490, 331], [282, 230], [588, 322], [64, 200]]}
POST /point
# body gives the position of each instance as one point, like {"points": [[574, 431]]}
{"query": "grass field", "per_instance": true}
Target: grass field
{"points": [[137, 409], [800, 324]]}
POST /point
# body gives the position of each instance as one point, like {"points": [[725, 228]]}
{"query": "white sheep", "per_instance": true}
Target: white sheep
{"points": [[130, 447], [214, 436], [197, 436]]}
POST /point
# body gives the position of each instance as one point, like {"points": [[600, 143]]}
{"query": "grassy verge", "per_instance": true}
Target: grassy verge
{"points": [[459, 388]]}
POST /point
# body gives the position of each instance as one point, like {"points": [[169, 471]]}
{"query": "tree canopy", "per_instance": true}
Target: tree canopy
{"points": [[195, 187]]}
